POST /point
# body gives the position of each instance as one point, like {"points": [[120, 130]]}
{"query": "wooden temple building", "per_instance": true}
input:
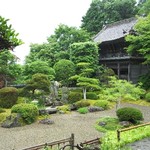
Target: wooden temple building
{"points": [[111, 41]]}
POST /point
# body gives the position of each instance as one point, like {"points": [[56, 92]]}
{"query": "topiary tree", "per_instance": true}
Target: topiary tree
{"points": [[64, 70], [8, 97], [129, 114]]}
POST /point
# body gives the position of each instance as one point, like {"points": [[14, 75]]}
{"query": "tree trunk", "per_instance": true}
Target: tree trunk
{"points": [[84, 93]]}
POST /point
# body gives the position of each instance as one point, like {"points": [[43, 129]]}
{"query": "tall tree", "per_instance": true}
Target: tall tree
{"points": [[102, 12], [139, 43], [8, 36], [144, 7]]}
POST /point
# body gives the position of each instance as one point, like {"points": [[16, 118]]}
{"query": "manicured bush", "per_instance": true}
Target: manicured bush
{"points": [[28, 112], [102, 103], [74, 97], [64, 108], [2, 110], [8, 97], [83, 110], [91, 95], [129, 114], [82, 103], [147, 97]]}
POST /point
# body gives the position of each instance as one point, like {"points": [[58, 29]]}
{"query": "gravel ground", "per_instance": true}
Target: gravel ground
{"points": [[65, 124]]}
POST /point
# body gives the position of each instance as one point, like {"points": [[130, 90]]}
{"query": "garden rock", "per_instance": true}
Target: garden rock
{"points": [[43, 112], [46, 121], [14, 120], [95, 108], [51, 110], [73, 107], [102, 124], [125, 123]]}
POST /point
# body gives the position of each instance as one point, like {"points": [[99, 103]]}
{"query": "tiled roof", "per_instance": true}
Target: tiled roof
{"points": [[115, 30]]}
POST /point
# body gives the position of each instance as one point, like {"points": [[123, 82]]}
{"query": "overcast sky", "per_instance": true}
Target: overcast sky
{"points": [[35, 20]]}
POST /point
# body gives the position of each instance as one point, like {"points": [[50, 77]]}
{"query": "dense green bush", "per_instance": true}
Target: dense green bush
{"points": [[102, 103], [147, 97], [8, 97], [74, 97], [129, 114], [2, 110], [28, 112], [82, 103], [91, 95], [83, 110]]}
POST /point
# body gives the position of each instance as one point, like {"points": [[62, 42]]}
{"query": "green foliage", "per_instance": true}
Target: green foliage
{"points": [[91, 95], [110, 142], [144, 8], [83, 110], [111, 124], [64, 108], [64, 70], [85, 52], [5, 114], [102, 12], [74, 97], [39, 66], [28, 112], [2, 110], [145, 80], [139, 42], [121, 89], [38, 82], [8, 36], [8, 97], [102, 103], [82, 103], [147, 97], [129, 114]]}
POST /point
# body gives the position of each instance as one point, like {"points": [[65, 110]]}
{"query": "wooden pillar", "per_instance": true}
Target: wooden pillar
{"points": [[118, 69], [129, 71]]}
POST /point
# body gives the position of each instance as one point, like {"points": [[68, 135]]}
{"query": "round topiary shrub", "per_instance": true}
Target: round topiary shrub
{"points": [[102, 103], [82, 103], [8, 97], [91, 95], [83, 110], [129, 114], [74, 97], [147, 97], [28, 112]]}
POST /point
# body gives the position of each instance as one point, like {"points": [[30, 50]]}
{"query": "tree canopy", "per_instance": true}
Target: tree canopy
{"points": [[8, 36], [102, 12]]}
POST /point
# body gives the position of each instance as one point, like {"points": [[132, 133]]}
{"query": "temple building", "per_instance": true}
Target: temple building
{"points": [[112, 45]]}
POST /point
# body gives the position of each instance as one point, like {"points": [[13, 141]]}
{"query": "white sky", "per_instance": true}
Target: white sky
{"points": [[35, 20]]}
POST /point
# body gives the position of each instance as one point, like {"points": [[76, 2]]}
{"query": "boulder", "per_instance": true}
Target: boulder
{"points": [[51, 110], [46, 121], [102, 124], [95, 108], [125, 123], [14, 120]]}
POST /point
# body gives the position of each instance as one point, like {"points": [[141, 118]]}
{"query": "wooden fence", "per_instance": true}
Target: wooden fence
{"points": [[63, 144], [57, 144], [130, 128]]}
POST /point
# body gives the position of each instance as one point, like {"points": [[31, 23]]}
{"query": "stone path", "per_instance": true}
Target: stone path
{"points": [[65, 124]]}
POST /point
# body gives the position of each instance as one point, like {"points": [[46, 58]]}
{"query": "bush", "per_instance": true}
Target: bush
{"points": [[74, 97], [28, 112], [91, 95], [2, 110], [8, 97], [101, 103], [147, 97], [129, 114], [83, 110], [64, 108], [82, 103]]}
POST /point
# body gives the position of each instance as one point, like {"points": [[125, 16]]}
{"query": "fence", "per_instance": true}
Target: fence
{"points": [[69, 140], [61, 144], [130, 128]]}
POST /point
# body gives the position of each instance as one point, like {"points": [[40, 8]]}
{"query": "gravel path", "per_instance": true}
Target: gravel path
{"points": [[65, 124]]}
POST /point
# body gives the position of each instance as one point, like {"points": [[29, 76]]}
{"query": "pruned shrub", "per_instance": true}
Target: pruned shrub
{"points": [[82, 103], [102, 103], [2, 110], [91, 95], [8, 97], [147, 97], [74, 97], [28, 112], [83, 110], [129, 114]]}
